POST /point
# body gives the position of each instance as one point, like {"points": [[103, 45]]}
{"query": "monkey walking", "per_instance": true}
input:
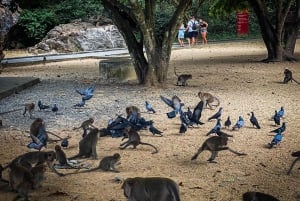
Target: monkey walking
{"points": [[297, 155], [288, 77], [87, 145], [108, 163], [215, 144], [182, 78], [85, 126], [134, 139], [151, 189], [30, 108], [208, 99]]}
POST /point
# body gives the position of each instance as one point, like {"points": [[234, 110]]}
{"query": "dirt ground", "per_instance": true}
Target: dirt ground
{"points": [[232, 72]]}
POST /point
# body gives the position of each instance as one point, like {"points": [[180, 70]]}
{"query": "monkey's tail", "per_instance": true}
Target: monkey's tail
{"points": [[235, 152], [175, 71], [292, 165], [11, 111], [296, 81], [144, 143], [218, 102]]}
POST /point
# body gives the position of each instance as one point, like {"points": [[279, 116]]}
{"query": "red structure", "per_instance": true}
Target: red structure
{"points": [[242, 23]]}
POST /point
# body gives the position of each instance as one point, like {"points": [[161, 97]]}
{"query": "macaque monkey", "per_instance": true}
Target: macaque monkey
{"points": [[134, 139], [258, 196], [182, 78], [35, 126], [288, 77], [1, 179], [108, 163], [297, 155], [38, 172], [28, 160], [87, 145], [150, 189], [208, 99], [21, 180], [215, 144], [85, 126], [30, 108], [132, 109]]}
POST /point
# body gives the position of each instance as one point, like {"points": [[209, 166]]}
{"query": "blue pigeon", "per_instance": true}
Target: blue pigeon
{"points": [[149, 108], [216, 128], [175, 103], [239, 124], [280, 113], [81, 104], [276, 118], [182, 128], [65, 143], [154, 130], [216, 115], [54, 108], [282, 128], [197, 113], [276, 140], [42, 106], [254, 121], [227, 122], [88, 90]]}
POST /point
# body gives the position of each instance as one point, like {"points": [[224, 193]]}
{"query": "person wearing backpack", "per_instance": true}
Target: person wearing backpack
{"points": [[192, 28]]}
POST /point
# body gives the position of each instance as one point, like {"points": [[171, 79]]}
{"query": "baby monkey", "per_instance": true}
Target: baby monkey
{"points": [[30, 108], [86, 125], [208, 99]]}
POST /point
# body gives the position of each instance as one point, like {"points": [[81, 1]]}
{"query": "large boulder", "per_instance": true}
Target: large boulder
{"points": [[80, 36]]}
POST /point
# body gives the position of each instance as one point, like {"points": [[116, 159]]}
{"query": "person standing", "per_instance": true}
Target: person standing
{"points": [[192, 28], [181, 31], [203, 31]]}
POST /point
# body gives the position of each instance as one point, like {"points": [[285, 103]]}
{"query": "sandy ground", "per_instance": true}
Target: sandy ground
{"points": [[231, 71]]}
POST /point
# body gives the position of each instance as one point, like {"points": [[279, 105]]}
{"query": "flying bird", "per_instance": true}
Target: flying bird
{"points": [[197, 113], [149, 108], [239, 124], [254, 121], [216, 115], [42, 106], [175, 104]]}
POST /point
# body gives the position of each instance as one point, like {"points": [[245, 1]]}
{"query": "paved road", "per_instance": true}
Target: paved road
{"points": [[57, 57]]}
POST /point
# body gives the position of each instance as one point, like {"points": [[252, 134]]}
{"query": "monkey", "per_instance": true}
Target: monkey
{"points": [[134, 140], [215, 144], [87, 145], [30, 108], [1, 179], [288, 76], [132, 109], [29, 159], [208, 99], [182, 78], [151, 189], [38, 175], [86, 125], [62, 158], [258, 196], [21, 180], [35, 126], [294, 154], [38, 134], [108, 163]]}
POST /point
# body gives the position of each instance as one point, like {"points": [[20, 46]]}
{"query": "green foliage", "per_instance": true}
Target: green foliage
{"points": [[37, 22]]}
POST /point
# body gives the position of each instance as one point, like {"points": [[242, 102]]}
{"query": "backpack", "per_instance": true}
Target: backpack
{"points": [[194, 26]]}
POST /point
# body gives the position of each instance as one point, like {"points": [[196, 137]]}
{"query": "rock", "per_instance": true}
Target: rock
{"points": [[80, 36]]}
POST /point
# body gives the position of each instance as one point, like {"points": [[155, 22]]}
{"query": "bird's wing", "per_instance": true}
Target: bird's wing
{"points": [[169, 102]]}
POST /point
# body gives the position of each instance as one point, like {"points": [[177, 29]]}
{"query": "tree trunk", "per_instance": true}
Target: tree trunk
{"points": [[271, 35], [137, 25]]}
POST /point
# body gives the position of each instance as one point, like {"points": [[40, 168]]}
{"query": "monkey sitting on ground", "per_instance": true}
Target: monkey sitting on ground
{"points": [[85, 126], [208, 99], [30, 108], [38, 134], [151, 189], [87, 145], [62, 158], [108, 163], [21, 180], [28, 160], [134, 139], [288, 76], [215, 144], [182, 78]]}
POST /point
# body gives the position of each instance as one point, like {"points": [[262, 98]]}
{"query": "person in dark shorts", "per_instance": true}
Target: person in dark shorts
{"points": [[193, 30]]}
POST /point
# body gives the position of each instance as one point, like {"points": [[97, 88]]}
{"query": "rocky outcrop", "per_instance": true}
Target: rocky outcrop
{"points": [[9, 16], [80, 36]]}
